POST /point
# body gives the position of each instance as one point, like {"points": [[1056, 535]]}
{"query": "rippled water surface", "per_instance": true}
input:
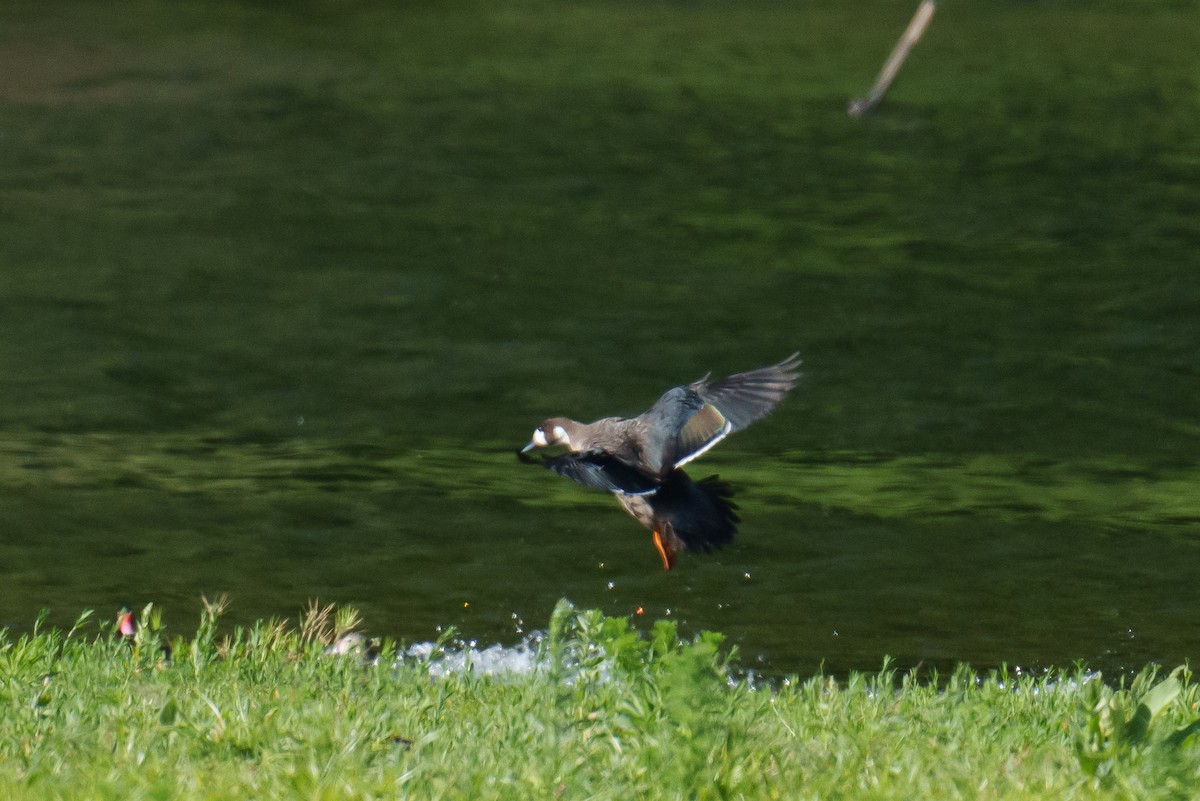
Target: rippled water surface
{"points": [[281, 293]]}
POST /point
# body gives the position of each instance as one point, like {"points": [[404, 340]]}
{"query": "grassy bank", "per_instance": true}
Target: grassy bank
{"points": [[610, 713]]}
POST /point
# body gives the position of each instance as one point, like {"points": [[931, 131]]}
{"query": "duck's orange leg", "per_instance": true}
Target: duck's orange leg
{"points": [[664, 550]]}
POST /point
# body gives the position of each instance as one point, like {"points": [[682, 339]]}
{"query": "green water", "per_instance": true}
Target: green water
{"points": [[281, 292]]}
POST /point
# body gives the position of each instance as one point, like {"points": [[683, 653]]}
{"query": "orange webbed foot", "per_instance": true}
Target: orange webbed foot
{"points": [[664, 550]]}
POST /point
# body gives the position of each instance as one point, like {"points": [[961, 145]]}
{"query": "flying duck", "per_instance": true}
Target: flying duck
{"points": [[638, 459]]}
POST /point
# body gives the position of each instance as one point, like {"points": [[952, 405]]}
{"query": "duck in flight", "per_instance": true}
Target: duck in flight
{"points": [[638, 459]]}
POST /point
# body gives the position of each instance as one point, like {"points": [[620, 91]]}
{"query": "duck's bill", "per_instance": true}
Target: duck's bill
{"points": [[524, 456]]}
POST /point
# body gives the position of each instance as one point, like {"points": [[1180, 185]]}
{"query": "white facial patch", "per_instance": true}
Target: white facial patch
{"points": [[539, 438], [560, 435]]}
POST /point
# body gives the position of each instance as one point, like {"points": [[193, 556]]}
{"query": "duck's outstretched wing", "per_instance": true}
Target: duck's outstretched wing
{"points": [[598, 470], [696, 417]]}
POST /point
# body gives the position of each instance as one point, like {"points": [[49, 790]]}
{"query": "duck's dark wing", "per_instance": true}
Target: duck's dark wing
{"points": [[694, 418], [686, 515], [599, 470], [701, 513]]}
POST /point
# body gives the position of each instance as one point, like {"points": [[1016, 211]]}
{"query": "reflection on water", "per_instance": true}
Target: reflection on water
{"points": [[842, 558]]}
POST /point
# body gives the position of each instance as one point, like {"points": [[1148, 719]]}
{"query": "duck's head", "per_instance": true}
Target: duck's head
{"points": [[551, 432]]}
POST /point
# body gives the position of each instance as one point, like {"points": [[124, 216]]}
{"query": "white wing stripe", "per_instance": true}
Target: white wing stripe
{"points": [[724, 432]]}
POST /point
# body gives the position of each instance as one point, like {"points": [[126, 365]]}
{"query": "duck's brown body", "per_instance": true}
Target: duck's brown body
{"points": [[639, 458]]}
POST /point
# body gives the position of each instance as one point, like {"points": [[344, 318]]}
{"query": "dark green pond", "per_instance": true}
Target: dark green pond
{"points": [[281, 293]]}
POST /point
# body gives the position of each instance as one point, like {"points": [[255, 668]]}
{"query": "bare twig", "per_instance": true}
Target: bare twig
{"points": [[863, 105]]}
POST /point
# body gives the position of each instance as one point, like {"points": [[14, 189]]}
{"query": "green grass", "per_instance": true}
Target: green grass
{"points": [[262, 712]]}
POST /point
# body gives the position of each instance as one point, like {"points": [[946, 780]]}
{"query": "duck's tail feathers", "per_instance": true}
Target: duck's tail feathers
{"points": [[698, 515]]}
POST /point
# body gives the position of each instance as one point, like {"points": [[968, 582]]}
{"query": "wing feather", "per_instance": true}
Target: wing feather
{"points": [[687, 421], [598, 470], [702, 430], [749, 396]]}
